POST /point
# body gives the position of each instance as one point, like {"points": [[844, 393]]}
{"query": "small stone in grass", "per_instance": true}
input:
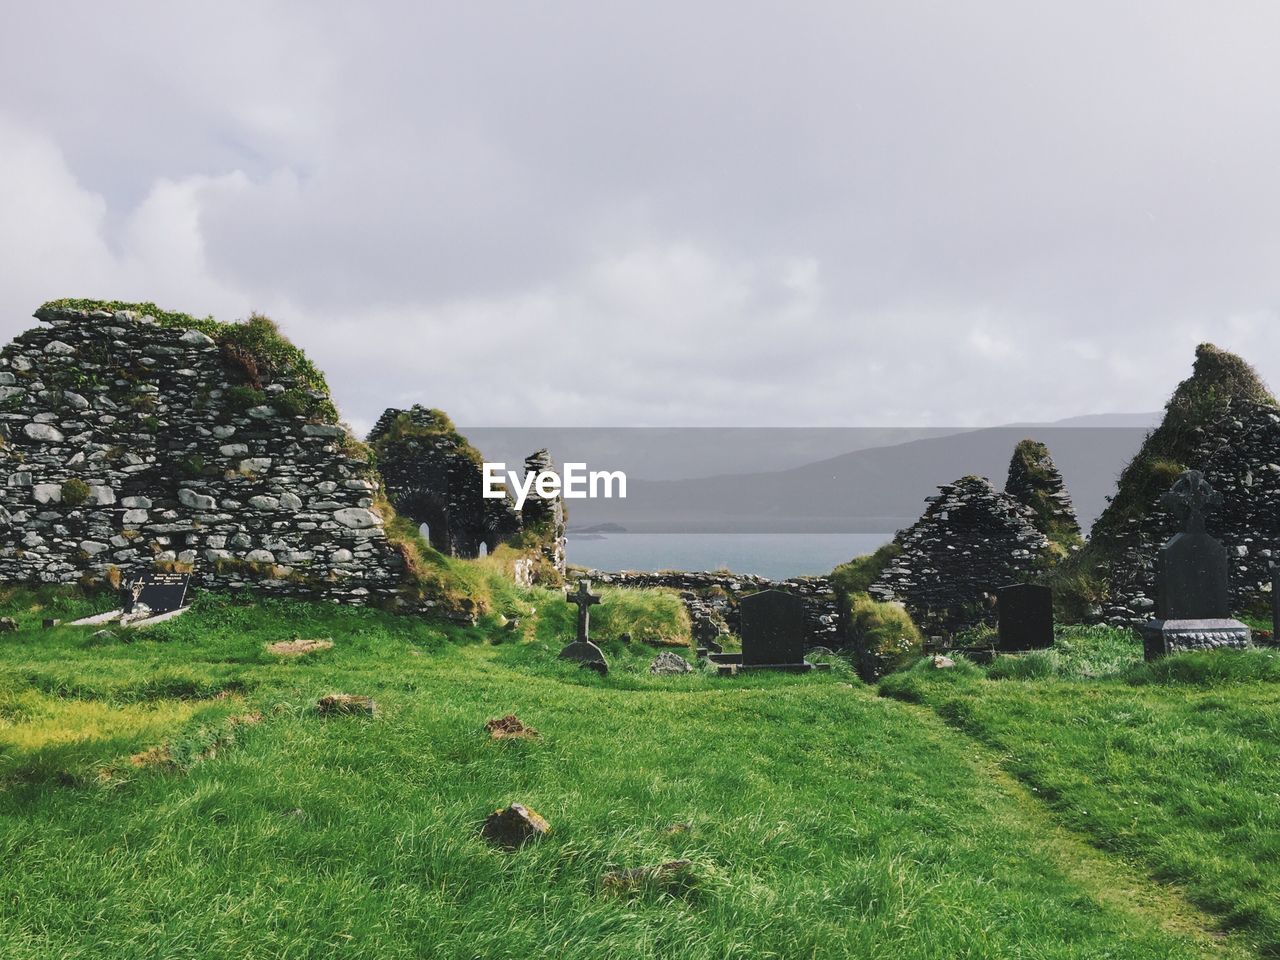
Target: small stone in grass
{"points": [[50, 622], [667, 663], [348, 703], [942, 663], [510, 727], [618, 881], [514, 826], [8, 624], [102, 636]]}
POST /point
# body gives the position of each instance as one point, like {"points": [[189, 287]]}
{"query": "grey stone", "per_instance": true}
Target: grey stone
{"points": [[196, 501], [42, 431], [196, 339], [48, 492], [356, 518], [669, 663]]}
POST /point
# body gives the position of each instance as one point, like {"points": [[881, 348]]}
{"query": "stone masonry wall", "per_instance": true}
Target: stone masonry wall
{"points": [[126, 443], [970, 541], [1240, 458]]}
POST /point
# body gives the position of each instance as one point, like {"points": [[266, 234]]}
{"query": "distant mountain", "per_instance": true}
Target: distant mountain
{"points": [[875, 489]]}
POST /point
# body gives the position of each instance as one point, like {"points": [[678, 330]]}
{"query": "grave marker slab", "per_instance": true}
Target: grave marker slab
{"points": [[1193, 603], [771, 624], [582, 649], [1026, 617], [157, 590]]}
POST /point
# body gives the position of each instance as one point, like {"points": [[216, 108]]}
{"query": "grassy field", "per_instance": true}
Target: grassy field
{"points": [[174, 794], [1173, 766]]}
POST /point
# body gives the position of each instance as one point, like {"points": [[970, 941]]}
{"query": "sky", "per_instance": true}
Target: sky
{"points": [[666, 214]]}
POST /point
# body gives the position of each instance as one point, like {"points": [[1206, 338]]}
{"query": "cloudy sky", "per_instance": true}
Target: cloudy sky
{"points": [[708, 213]]}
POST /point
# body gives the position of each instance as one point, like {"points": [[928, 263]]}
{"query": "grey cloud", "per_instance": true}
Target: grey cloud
{"points": [[827, 213]]}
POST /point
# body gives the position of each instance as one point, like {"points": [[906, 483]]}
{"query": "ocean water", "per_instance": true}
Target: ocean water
{"points": [[773, 555]]}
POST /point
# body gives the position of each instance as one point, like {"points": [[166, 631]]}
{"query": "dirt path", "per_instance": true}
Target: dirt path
{"points": [[1111, 881]]}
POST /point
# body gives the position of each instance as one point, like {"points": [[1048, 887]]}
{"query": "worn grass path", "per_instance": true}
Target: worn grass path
{"points": [[822, 820]]}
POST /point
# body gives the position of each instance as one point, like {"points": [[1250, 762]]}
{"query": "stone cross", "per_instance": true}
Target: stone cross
{"points": [[584, 598], [1190, 499]]}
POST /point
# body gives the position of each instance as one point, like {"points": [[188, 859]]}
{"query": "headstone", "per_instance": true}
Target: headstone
{"points": [[582, 649], [1193, 603], [1026, 617], [771, 624], [158, 591]]}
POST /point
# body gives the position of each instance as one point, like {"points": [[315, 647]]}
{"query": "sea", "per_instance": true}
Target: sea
{"points": [[773, 555]]}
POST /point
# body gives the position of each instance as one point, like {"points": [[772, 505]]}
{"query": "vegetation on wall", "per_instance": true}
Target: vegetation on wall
{"points": [[254, 347]]}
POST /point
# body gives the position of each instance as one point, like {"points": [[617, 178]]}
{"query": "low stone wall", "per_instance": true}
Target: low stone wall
{"points": [[128, 443], [712, 598]]}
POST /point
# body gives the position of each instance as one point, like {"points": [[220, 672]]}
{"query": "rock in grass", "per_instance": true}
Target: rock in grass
{"points": [[621, 881], [510, 727], [667, 663], [514, 826], [940, 662], [8, 624], [345, 703]]}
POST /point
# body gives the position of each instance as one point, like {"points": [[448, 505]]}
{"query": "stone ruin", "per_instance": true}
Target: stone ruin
{"points": [[1240, 457], [1034, 481], [1223, 422], [433, 476], [971, 540], [132, 438]]}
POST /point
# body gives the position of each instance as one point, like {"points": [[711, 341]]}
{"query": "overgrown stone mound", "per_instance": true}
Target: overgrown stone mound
{"points": [[434, 476], [1224, 422], [135, 436], [971, 540], [1034, 481]]}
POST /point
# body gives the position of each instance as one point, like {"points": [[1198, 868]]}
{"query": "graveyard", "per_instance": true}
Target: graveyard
{"points": [[267, 689]]}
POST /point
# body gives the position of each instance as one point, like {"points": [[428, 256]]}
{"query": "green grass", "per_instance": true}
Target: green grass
{"points": [[821, 819], [1173, 766]]}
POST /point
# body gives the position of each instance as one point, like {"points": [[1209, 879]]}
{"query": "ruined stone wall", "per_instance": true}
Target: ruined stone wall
{"points": [[970, 541], [1240, 458], [127, 443], [433, 476]]}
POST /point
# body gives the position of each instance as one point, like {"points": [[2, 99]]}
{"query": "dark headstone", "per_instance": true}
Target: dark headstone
{"points": [[772, 626], [1192, 579], [159, 591], [1193, 604], [1026, 617], [582, 649], [584, 599], [587, 654]]}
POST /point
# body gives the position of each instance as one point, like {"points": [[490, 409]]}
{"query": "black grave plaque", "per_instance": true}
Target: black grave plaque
{"points": [[160, 591], [1026, 617], [772, 625]]}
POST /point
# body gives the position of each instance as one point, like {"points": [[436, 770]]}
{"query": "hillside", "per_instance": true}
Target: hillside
{"points": [[875, 489], [179, 796]]}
